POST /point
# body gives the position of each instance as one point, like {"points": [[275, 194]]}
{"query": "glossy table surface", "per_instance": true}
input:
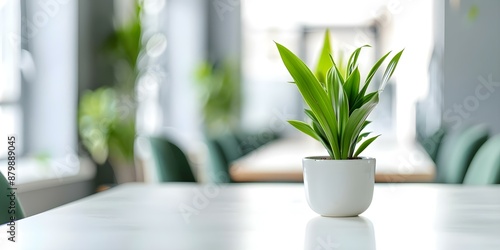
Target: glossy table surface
{"points": [[281, 160], [264, 216]]}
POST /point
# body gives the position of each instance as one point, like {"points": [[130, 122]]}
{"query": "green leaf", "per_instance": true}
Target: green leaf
{"points": [[337, 70], [359, 139], [319, 131], [313, 94], [390, 69], [351, 88], [324, 62], [372, 73], [365, 123], [304, 128], [365, 144], [323, 139], [314, 120], [363, 135], [340, 100], [353, 60], [341, 67], [362, 100], [355, 125]]}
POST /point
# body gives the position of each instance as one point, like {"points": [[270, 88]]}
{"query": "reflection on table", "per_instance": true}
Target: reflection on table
{"points": [[339, 233]]}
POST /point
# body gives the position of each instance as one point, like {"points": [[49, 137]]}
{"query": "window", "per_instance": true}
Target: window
{"points": [[299, 25], [301, 31], [10, 82], [38, 77]]}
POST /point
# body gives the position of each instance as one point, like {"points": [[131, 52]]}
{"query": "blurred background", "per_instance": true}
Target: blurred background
{"points": [[93, 88]]}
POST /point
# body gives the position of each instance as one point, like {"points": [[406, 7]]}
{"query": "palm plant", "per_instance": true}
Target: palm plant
{"points": [[338, 104]]}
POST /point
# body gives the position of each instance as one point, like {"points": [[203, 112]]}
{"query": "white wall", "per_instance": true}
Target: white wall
{"points": [[472, 64], [40, 200]]}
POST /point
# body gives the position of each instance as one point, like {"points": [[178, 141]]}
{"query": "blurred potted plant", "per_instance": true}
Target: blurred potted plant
{"points": [[107, 133], [218, 87], [340, 184], [219, 93], [106, 115]]}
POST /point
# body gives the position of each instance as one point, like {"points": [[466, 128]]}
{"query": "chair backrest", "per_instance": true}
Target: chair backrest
{"points": [[218, 167], [485, 167], [230, 147], [5, 203], [171, 163], [457, 152], [432, 144], [223, 150]]}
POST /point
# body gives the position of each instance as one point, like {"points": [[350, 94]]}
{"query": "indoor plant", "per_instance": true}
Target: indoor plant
{"points": [[340, 184], [107, 115], [218, 88]]}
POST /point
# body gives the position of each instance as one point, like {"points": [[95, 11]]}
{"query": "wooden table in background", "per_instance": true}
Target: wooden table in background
{"points": [[281, 160]]}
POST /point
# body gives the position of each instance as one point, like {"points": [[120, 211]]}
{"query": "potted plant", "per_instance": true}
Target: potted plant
{"points": [[107, 115], [340, 184]]}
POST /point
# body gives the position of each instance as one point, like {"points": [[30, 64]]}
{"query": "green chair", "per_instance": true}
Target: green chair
{"points": [[230, 147], [171, 163], [485, 167], [432, 144], [5, 203], [218, 164], [227, 148], [223, 150], [251, 141], [458, 149]]}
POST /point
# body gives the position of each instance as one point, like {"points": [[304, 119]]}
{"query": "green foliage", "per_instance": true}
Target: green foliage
{"points": [[106, 117], [219, 91], [473, 13], [122, 50], [105, 125], [338, 106], [324, 61]]}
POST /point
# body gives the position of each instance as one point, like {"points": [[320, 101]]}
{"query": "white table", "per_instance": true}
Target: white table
{"points": [[264, 216], [281, 160]]}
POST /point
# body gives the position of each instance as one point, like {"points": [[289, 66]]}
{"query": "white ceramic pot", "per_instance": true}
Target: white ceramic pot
{"points": [[339, 188]]}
